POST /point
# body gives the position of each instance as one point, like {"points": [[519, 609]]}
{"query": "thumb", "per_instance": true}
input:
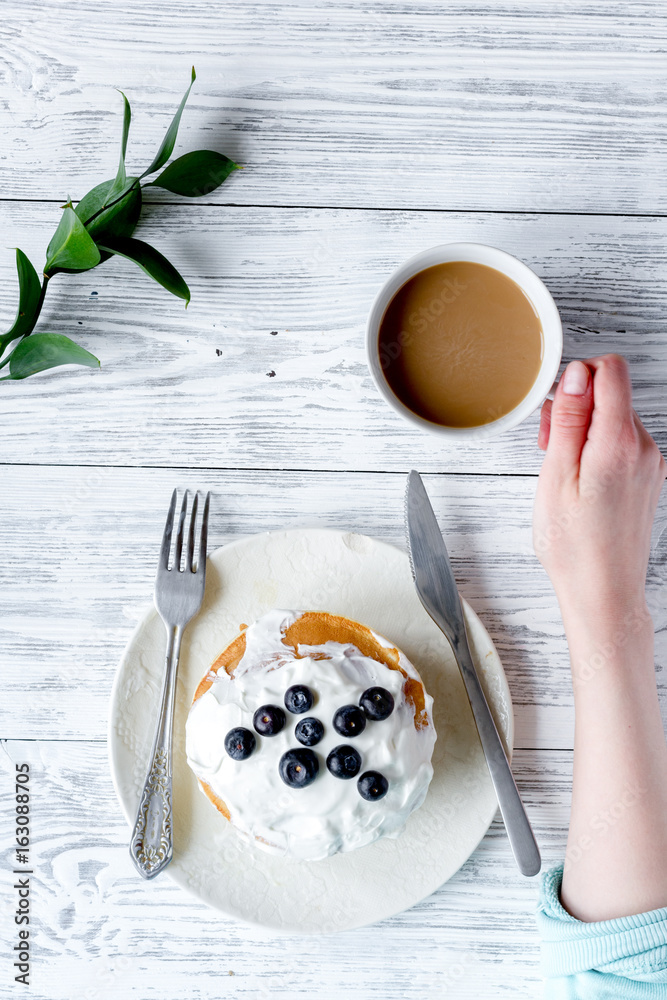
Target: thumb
{"points": [[571, 415]]}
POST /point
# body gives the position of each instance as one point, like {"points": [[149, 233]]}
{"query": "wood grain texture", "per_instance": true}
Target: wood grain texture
{"points": [[367, 132], [165, 396], [507, 106], [100, 932], [81, 548]]}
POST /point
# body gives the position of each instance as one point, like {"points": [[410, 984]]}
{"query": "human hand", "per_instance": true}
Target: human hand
{"points": [[597, 493]]}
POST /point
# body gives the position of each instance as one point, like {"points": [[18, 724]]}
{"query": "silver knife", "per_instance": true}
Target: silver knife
{"points": [[438, 593]]}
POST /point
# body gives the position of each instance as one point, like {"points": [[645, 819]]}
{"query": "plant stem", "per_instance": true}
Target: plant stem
{"points": [[38, 310], [120, 197]]}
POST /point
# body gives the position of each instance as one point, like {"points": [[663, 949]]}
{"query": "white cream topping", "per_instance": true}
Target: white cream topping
{"points": [[329, 815]]}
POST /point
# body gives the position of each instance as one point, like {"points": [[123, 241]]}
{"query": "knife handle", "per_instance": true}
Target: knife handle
{"points": [[519, 831]]}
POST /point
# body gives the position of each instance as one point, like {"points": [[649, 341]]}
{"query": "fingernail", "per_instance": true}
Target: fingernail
{"points": [[575, 379]]}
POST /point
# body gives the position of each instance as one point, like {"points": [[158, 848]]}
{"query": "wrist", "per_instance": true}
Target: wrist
{"points": [[601, 615], [604, 640]]}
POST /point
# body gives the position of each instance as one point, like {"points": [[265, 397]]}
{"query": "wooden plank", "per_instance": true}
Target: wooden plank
{"points": [[80, 547], [506, 106], [393, 105], [287, 291], [100, 932]]}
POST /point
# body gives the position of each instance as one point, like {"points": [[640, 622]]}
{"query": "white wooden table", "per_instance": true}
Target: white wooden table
{"points": [[368, 132]]}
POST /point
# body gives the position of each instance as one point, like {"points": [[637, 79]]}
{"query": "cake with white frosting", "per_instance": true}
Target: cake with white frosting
{"points": [[312, 734]]}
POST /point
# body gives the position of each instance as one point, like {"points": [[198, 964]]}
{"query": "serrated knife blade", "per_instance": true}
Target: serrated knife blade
{"points": [[439, 594]]}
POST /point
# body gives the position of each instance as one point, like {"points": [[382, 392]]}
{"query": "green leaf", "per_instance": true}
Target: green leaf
{"points": [[117, 220], [71, 248], [167, 147], [121, 179], [30, 298], [41, 351], [195, 174], [152, 262]]}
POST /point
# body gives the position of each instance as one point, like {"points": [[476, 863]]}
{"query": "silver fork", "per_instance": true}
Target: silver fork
{"points": [[178, 598]]}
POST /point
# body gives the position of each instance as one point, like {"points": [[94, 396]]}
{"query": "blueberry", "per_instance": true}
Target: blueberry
{"points": [[344, 761], [268, 720], [372, 785], [349, 721], [377, 703], [298, 699], [298, 767], [239, 743], [309, 731]]}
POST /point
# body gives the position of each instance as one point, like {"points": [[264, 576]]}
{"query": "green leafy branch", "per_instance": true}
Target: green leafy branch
{"points": [[99, 227]]}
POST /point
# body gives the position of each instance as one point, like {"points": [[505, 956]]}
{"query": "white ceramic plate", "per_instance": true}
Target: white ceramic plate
{"points": [[363, 579]]}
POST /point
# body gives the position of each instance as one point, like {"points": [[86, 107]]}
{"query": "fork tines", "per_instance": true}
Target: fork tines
{"points": [[190, 564]]}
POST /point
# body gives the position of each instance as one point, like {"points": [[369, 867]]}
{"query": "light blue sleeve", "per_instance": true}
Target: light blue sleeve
{"points": [[607, 960]]}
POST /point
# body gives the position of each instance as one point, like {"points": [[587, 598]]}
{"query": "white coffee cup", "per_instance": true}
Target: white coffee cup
{"points": [[528, 282]]}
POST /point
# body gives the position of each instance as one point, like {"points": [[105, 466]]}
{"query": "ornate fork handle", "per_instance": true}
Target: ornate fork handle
{"points": [[151, 846]]}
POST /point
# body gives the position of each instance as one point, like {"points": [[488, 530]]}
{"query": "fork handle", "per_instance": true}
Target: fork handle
{"points": [[151, 846]]}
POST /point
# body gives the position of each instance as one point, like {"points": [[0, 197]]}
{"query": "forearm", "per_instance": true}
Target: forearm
{"points": [[616, 860]]}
